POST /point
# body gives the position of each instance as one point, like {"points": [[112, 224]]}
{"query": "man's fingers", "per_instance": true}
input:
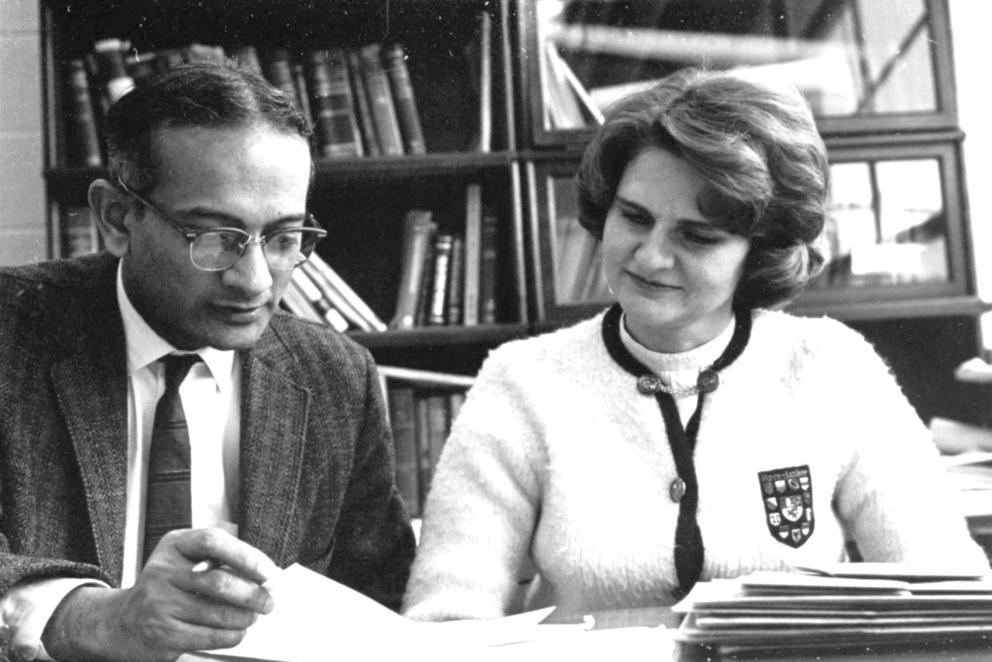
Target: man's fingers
{"points": [[214, 615], [224, 586], [223, 549]]}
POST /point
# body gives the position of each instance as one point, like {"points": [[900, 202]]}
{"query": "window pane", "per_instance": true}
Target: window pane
{"points": [[850, 57], [886, 224]]}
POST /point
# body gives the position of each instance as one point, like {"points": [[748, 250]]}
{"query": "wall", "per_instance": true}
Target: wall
{"points": [[22, 193]]}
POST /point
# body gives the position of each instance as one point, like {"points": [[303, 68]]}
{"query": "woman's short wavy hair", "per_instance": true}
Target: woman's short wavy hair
{"points": [[758, 151]]}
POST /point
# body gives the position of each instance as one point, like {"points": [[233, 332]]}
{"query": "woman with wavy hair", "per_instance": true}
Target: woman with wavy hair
{"points": [[693, 430]]}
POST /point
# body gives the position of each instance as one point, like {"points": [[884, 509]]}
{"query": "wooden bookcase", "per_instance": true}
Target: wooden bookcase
{"points": [[362, 201]]}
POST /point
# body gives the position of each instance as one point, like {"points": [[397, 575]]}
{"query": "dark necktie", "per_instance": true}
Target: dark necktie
{"points": [[167, 499]]}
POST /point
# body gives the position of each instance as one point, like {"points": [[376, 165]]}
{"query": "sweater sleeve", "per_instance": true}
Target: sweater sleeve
{"points": [[894, 497], [482, 506]]}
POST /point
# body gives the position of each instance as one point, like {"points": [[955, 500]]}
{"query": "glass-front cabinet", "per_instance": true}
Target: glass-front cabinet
{"points": [[877, 74]]}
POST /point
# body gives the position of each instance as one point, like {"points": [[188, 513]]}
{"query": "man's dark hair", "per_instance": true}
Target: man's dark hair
{"points": [[200, 94]]}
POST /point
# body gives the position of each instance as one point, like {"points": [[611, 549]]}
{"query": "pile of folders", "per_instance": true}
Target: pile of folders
{"points": [[840, 606]]}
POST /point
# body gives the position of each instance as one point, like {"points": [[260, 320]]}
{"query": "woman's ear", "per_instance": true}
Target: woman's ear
{"points": [[109, 206]]}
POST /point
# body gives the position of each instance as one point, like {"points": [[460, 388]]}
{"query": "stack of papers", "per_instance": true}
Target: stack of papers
{"points": [[839, 605], [317, 619]]}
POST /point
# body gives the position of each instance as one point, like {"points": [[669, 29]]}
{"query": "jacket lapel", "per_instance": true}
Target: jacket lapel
{"points": [[91, 387], [273, 426]]}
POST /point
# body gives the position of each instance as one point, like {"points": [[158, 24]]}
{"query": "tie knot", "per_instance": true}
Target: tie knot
{"points": [[177, 366]]}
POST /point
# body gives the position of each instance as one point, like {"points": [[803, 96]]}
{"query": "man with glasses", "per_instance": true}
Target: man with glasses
{"points": [[168, 438]]}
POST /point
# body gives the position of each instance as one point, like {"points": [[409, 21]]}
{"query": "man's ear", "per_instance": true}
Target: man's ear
{"points": [[109, 206]]}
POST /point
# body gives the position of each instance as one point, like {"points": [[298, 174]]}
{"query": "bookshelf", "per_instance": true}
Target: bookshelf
{"points": [[882, 114], [456, 59]]}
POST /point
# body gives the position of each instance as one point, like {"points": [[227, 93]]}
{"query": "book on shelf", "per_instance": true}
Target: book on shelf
{"points": [[326, 312], [363, 108], [333, 298], [485, 82], [402, 420], [337, 283], [567, 104], [488, 266], [331, 103], [277, 68], [473, 253], [418, 234], [110, 72], [380, 98], [456, 281], [394, 63], [437, 308], [246, 56], [83, 139], [297, 303], [302, 92], [422, 405], [426, 291]]}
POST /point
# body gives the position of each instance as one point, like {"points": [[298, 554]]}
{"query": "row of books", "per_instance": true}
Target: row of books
{"points": [[360, 101], [316, 292], [842, 605], [448, 278], [421, 406]]}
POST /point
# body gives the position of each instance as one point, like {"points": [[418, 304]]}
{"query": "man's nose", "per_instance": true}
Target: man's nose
{"points": [[251, 272]]}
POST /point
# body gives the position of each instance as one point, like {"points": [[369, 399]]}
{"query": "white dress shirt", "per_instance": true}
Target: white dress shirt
{"points": [[210, 396]]}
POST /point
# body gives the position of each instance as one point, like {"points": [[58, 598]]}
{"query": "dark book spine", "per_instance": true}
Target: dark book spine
{"points": [[426, 293], [83, 140], [394, 62], [380, 100], [425, 466], [488, 268], [402, 419], [330, 97], [300, 87], [363, 110], [456, 278], [277, 69]]}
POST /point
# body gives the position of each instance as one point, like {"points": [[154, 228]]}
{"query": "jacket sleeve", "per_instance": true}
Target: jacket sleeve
{"points": [[374, 543]]}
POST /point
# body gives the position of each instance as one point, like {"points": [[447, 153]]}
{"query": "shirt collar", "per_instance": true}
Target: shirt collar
{"points": [[145, 347], [661, 363]]}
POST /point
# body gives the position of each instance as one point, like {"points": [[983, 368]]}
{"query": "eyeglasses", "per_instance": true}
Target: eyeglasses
{"points": [[217, 249]]}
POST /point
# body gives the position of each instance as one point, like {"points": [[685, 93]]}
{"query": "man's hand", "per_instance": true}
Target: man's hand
{"points": [[173, 608]]}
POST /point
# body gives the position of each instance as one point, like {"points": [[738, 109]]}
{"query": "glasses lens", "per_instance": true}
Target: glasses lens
{"points": [[216, 250], [286, 249]]}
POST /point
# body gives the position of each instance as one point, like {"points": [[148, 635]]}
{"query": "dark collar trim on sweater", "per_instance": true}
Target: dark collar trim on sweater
{"points": [[689, 549], [619, 353]]}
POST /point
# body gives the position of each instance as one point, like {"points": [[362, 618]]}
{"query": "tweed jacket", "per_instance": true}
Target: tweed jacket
{"points": [[316, 454]]}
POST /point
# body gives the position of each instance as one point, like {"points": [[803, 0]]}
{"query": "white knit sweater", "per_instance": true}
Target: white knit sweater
{"points": [[557, 463]]}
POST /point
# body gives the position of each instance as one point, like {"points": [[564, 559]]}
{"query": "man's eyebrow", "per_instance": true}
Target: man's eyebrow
{"points": [[231, 220]]}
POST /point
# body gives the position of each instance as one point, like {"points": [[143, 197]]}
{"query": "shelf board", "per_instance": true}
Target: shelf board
{"points": [[441, 336], [414, 165], [70, 184], [897, 308]]}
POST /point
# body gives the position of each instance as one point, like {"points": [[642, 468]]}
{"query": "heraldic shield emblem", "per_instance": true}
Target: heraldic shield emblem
{"points": [[788, 498]]}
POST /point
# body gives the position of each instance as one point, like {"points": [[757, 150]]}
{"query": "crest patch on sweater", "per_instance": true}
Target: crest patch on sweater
{"points": [[788, 498]]}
